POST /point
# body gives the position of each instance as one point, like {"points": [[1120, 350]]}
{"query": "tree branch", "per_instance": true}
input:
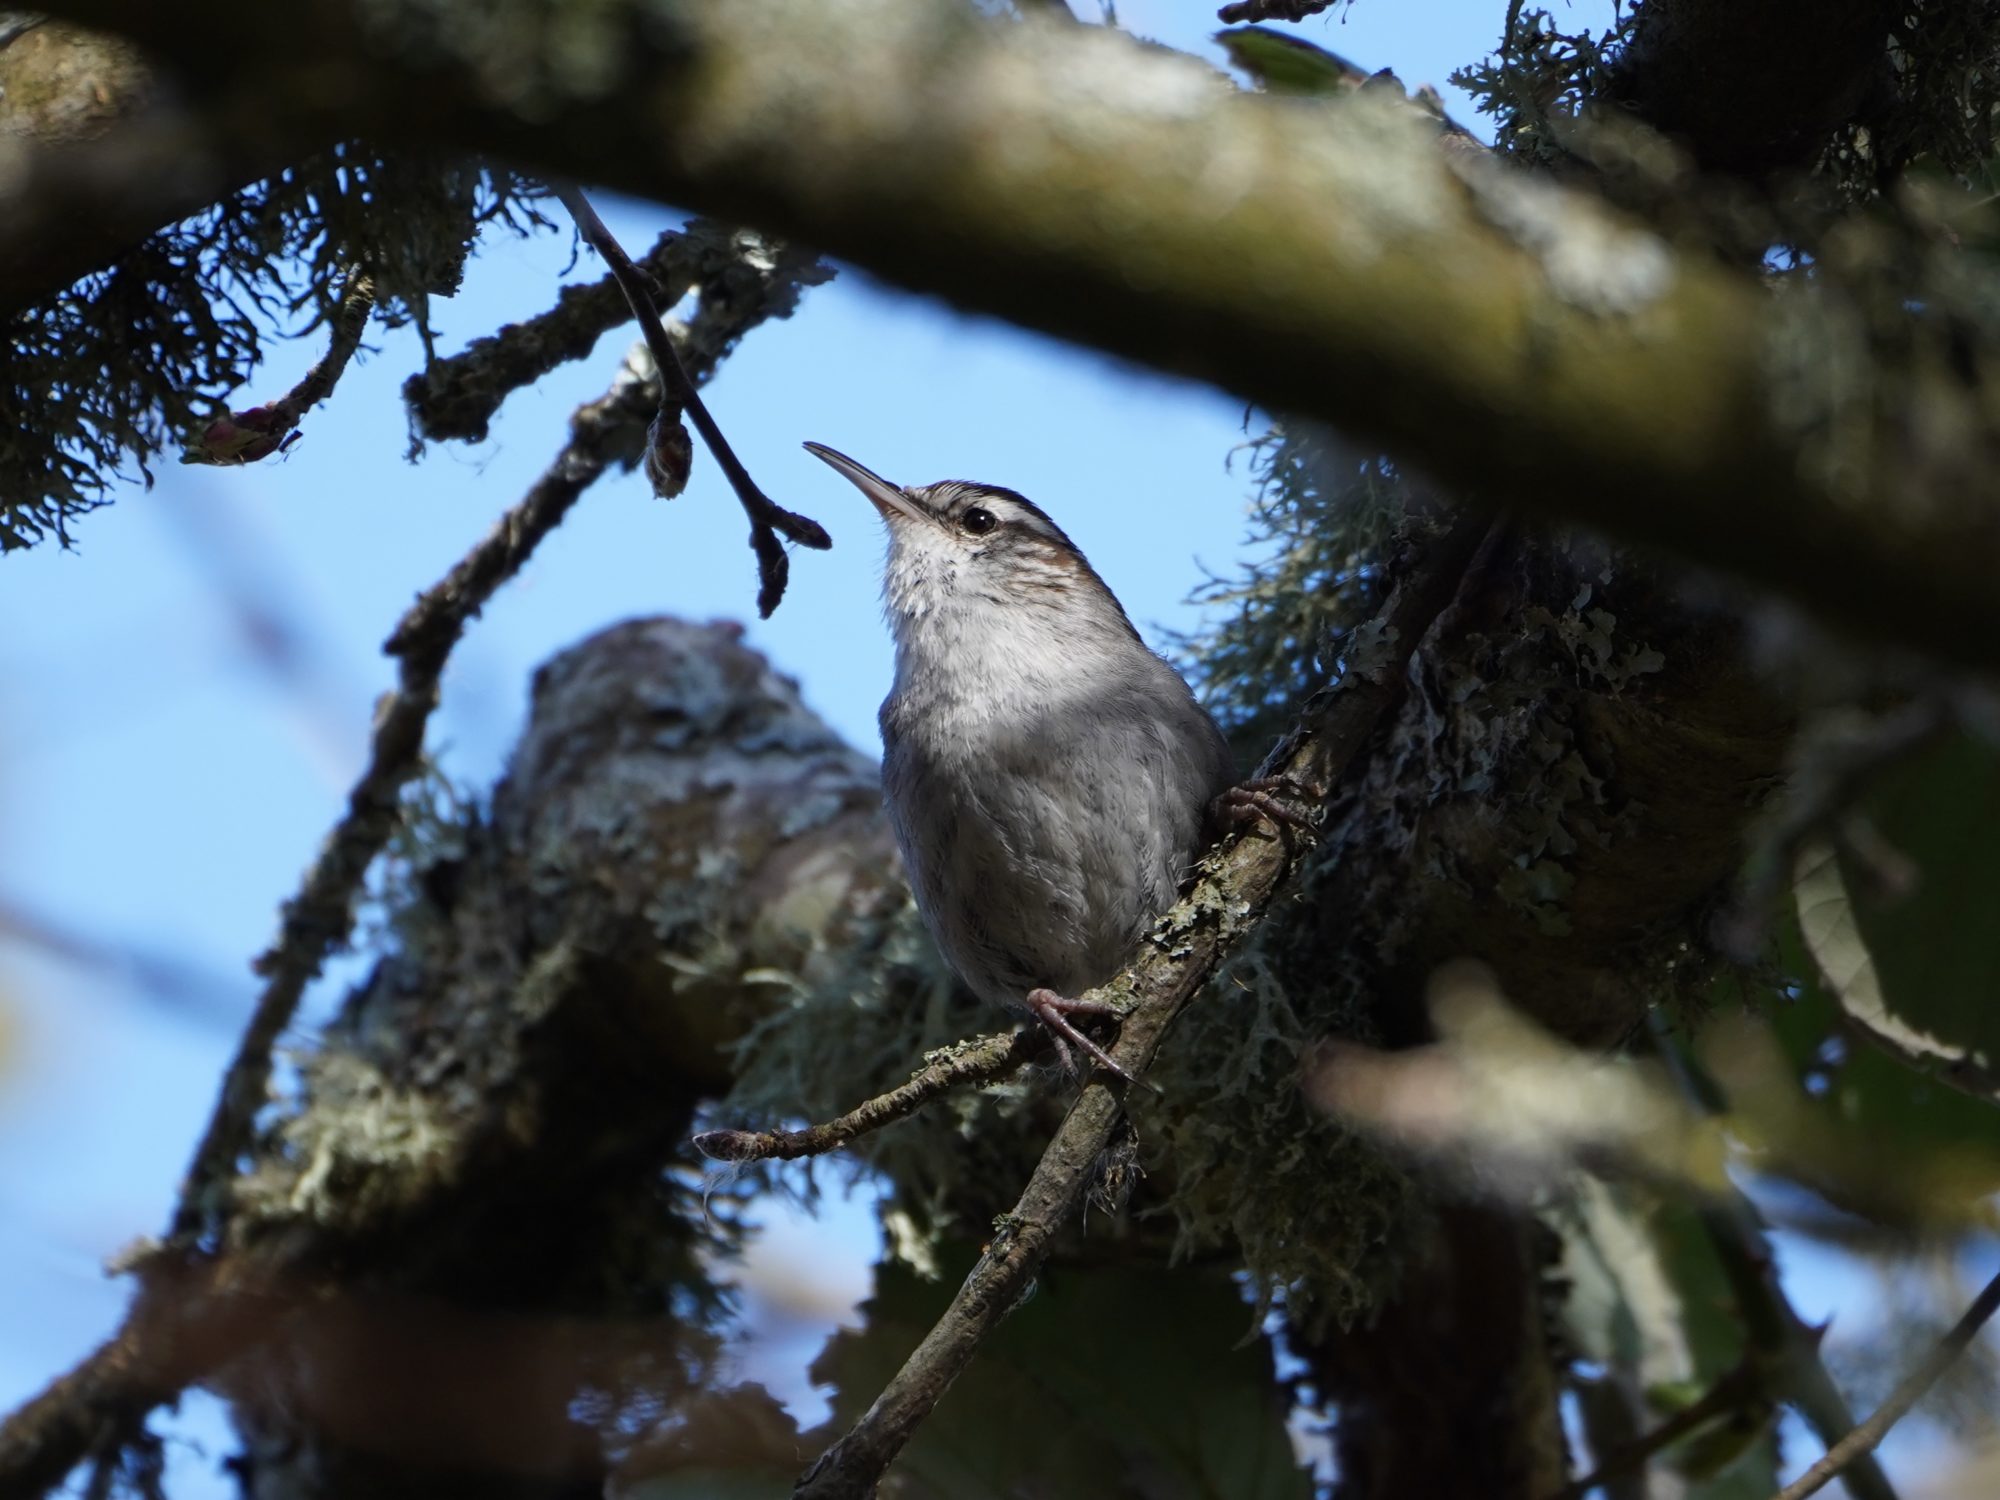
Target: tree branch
{"points": [[1741, 1384], [1774, 1328], [972, 1064], [1272, 10], [457, 396], [246, 436], [1235, 885], [1855, 1447], [319, 919], [768, 519], [1507, 335], [181, 1325]]}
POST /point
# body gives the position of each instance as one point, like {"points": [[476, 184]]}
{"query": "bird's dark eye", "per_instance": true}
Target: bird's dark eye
{"points": [[978, 521]]}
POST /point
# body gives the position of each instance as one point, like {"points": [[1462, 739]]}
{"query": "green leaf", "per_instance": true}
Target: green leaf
{"points": [[1648, 1302], [1731, 1460], [1898, 993], [1934, 984], [1286, 65], [1103, 1382]]}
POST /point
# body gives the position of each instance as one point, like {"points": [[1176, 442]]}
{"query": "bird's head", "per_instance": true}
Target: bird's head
{"points": [[958, 549]]}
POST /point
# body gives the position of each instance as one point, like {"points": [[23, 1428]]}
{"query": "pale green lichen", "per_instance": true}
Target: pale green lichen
{"points": [[1319, 515]]}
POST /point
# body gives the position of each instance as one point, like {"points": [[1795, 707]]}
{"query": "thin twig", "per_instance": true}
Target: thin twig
{"points": [[1736, 1389], [1860, 1442], [1785, 1340], [243, 437], [1236, 883], [972, 1064], [768, 519], [321, 916]]}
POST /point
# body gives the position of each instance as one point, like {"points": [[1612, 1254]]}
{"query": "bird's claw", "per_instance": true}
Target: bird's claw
{"points": [[1251, 801], [1054, 1012]]}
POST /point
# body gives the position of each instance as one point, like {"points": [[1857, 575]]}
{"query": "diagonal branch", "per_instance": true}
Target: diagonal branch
{"points": [[321, 917], [1236, 884], [1782, 1338], [1740, 1386], [458, 395], [1861, 1441]]}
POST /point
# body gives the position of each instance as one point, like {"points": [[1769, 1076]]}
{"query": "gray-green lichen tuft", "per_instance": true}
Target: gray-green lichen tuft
{"points": [[97, 380], [885, 1004], [1319, 515], [1248, 1166]]}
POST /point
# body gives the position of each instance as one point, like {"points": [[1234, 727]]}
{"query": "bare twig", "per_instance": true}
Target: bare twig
{"points": [[1235, 885], [1741, 1385], [1855, 1447], [971, 1064], [768, 519], [243, 437], [1785, 1340]]}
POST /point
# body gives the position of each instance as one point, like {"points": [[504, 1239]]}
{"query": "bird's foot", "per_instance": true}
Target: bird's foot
{"points": [[1252, 801], [1054, 1012]]}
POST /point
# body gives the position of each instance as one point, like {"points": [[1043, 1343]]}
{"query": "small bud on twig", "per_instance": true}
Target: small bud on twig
{"points": [[669, 454]]}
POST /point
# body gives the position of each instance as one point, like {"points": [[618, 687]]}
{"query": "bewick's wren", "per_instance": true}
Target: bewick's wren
{"points": [[1048, 777]]}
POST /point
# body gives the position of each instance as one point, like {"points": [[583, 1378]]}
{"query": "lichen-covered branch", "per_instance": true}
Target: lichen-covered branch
{"points": [[1500, 332], [182, 1325], [744, 278], [319, 919], [1229, 896], [46, 1435], [971, 1064], [244, 437]]}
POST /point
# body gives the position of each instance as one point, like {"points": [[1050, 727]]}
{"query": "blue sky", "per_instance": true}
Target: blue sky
{"points": [[162, 786]]}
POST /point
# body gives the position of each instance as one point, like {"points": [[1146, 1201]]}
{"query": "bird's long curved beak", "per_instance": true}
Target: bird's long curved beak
{"points": [[889, 499]]}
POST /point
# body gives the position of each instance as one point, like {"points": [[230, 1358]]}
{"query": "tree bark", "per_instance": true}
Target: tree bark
{"points": [[1511, 338]]}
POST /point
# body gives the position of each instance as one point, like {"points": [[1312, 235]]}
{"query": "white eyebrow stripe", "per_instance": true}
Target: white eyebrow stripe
{"points": [[1009, 510]]}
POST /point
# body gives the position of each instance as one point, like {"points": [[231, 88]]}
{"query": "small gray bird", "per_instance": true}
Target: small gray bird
{"points": [[1049, 778]]}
